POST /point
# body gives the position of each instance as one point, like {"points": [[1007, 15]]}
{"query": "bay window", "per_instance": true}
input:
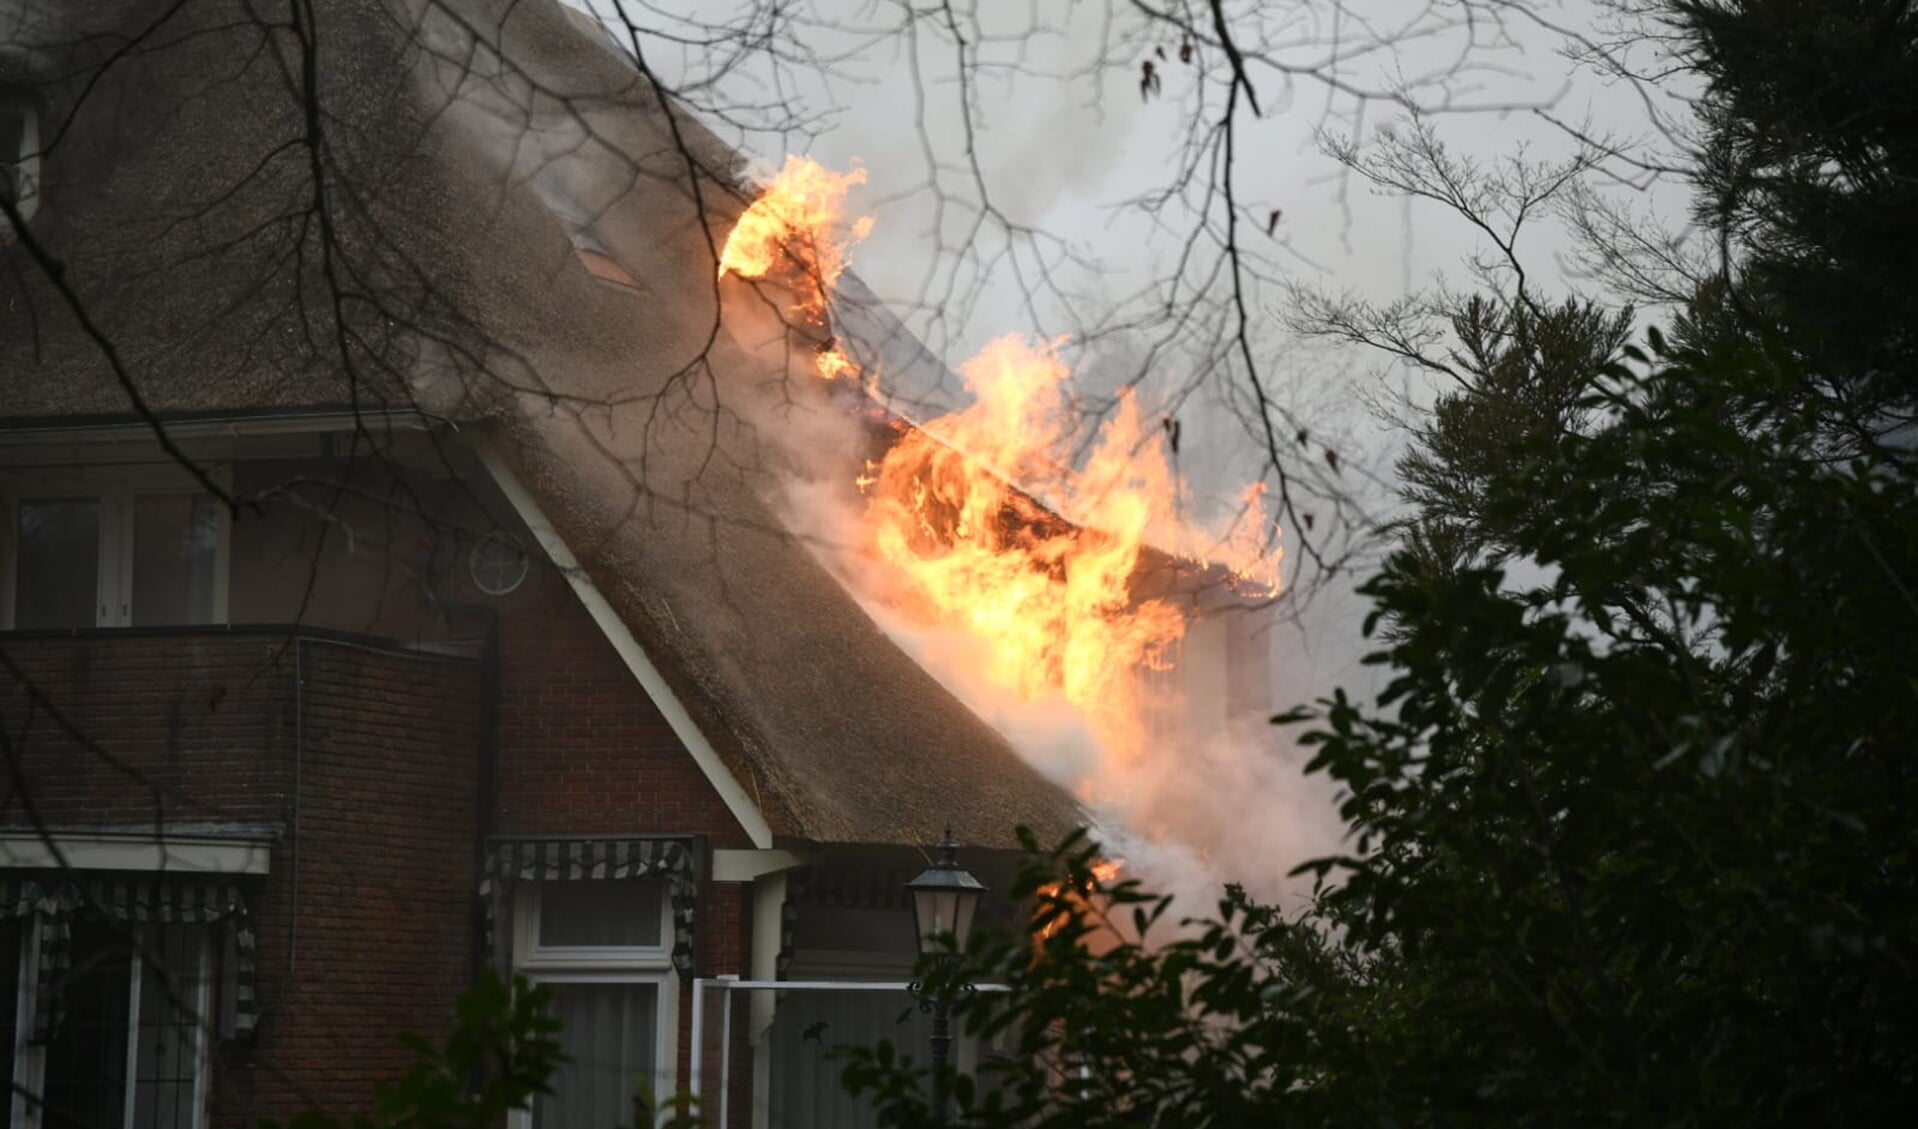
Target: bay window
{"points": [[113, 550]]}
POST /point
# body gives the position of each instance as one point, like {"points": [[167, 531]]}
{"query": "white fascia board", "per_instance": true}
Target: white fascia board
{"points": [[746, 866], [176, 854], [621, 637]]}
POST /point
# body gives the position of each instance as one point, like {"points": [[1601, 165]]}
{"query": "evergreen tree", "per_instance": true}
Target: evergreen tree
{"points": [[1809, 171]]}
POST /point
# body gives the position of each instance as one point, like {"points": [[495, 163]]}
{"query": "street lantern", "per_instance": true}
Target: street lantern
{"points": [[944, 899]]}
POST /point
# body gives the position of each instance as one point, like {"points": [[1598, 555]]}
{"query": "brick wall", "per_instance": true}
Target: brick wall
{"points": [[189, 727], [725, 945], [377, 936], [583, 749], [367, 774], [201, 727]]}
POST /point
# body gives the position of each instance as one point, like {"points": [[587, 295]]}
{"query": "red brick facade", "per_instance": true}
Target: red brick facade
{"points": [[356, 758], [123, 728], [583, 750], [362, 759]]}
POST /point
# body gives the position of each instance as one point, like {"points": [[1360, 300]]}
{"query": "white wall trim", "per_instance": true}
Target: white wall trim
{"points": [[621, 637], [745, 866], [769, 927], [178, 854]]}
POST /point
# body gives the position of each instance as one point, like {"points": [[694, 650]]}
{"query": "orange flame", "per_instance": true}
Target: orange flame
{"points": [[1104, 873], [792, 236], [1057, 600], [831, 363], [1062, 566]]}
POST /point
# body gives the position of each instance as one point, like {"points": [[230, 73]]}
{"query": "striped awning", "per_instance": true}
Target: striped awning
{"points": [[57, 899], [567, 859]]}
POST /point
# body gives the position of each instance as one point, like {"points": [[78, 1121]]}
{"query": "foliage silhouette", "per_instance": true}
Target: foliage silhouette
{"points": [[1631, 839], [499, 1055]]}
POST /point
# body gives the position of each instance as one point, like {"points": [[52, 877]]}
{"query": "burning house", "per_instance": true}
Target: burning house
{"points": [[401, 577]]}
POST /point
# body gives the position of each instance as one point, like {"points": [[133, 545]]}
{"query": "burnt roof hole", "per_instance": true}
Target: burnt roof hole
{"points": [[594, 255]]}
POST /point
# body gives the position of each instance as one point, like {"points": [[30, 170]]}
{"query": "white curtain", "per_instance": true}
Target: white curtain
{"points": [[608, 1030]]}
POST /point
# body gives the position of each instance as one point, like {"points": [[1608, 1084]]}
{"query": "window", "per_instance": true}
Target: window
{"points": [[129, 1048], [112, 1012], [498, 563], [11, 932], [603, 947], [113, 550], [19, 153]]}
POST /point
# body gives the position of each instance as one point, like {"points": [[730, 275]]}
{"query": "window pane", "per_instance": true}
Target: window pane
{"points": [[167, 1053], [604, 914], [56, 577], [607, 1029], [809, 1026], [13, 136], [176, 538], [86, 1059]]}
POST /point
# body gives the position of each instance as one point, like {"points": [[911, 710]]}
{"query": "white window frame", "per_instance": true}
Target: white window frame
{"points": [[115, 488], [29, 1059], [638, 964]]}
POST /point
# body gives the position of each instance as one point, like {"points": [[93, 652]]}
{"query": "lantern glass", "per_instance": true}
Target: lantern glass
{"points": [[933, 910], [965, 905], [945, 899]]}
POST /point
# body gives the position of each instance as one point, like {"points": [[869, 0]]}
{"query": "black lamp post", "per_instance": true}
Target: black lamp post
{"points": [[944, 900]]}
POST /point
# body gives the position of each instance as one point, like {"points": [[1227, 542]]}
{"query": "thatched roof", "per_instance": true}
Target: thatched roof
{"points": [[473, 149]]}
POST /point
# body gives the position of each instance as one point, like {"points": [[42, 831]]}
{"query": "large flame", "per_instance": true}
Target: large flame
{"points": [[1053, 589], [987, 518], [794, 235]]}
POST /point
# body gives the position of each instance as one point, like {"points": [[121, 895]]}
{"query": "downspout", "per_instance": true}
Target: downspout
{"points": [[299, 766], [485, 791]]}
